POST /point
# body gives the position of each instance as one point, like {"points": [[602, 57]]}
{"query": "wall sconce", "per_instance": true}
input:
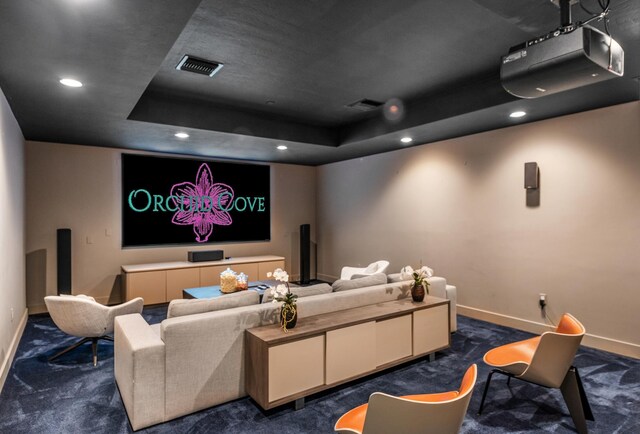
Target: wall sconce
{"points": [[531, 175]]}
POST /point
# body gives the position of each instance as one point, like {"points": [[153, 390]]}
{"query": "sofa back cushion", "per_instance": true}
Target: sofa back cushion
{"points": [[226, 301], [342, 300], [360, 282], [301, 291]]}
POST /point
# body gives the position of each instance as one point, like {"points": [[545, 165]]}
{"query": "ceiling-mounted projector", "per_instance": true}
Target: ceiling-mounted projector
{"points": [[547, 65], [569, 57]]}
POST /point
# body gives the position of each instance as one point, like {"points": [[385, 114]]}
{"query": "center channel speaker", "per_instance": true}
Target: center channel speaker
{"points": [[206, 255], [305, 253]]}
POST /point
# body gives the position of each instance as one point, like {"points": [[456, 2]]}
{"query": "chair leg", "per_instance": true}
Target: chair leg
{"points": [[583, 397], [94, 350], [576, 400], [94, 347], [486, 389], [72, 347]]}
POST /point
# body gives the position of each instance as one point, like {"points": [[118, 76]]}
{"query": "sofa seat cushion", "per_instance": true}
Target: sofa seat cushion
{"points": [[201, 305], [301, 291], [360, 282]]}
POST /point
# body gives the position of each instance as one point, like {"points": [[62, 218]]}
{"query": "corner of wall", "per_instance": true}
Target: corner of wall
{"points": [[12, 234], [5, 363]]}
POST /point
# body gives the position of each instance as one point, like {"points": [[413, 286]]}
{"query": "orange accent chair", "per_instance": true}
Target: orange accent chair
{"points": [[430, 413], [546, 360]]}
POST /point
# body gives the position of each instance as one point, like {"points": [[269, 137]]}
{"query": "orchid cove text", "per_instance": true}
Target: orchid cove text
{"points": [[142, 201]]}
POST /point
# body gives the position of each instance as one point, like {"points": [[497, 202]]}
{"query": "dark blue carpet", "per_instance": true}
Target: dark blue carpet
{"points": [[69, 395]]}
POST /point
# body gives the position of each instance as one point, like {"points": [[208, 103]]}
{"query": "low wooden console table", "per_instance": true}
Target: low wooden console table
{"points": [[163, 282], [326, 350]]}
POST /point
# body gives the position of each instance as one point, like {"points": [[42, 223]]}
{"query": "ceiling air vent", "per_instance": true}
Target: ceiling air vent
{"points": [[365, 105], [199, 66]]}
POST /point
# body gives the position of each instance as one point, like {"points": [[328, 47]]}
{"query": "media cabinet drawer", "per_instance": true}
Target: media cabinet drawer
{"points": [[351, 351], [393, 339], [430, 330], [296, 367], [150, 285]]}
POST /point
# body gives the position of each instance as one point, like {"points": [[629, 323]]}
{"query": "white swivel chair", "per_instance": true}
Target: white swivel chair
{"points": [[373, 268], [84, 317]]}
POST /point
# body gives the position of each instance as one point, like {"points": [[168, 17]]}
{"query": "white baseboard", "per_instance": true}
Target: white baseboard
{"points": [[599, 342], [13, 347], [326, 277]]}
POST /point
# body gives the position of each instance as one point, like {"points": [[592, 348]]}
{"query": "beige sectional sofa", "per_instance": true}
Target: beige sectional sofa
{"points": [[195, 358]]}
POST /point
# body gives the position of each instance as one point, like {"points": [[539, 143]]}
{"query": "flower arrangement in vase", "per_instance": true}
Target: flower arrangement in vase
{"points": [[282, 293], [420, 285]]}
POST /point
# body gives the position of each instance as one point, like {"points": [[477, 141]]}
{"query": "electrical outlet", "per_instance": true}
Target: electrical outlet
{"points": [[543, 300], [11, 314]]}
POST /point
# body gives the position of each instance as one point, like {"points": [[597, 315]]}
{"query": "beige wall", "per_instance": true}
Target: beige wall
{"points": [[457, 205], [79, 187], [12, 266], [460, 207]]}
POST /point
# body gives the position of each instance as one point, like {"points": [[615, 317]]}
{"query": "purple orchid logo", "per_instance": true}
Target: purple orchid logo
{"points": [[202, 204]]}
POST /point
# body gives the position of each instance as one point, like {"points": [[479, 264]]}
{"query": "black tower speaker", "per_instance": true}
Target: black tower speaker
{"points": [[64, 261], [305, 253]]}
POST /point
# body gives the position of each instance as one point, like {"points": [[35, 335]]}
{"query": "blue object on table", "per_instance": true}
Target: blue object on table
{"points": [[214, 291], [203, 292]]}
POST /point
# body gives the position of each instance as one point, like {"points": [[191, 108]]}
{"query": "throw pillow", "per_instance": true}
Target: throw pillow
{"points": [[396, 277], [301, 291], [201, 305], [345, 285]]}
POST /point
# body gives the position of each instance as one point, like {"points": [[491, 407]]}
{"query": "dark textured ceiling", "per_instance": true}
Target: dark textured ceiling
{"points": [[290, 69]]}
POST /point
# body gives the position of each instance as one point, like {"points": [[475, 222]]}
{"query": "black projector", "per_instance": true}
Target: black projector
{"points": [[561, 60]]}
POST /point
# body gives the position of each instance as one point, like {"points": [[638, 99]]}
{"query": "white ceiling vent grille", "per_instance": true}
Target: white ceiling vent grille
{"points": [[199, 66], [365, 105]]}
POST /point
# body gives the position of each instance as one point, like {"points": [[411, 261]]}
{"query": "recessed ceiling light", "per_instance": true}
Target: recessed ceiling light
{"points": [[282, 148], [406, 140], [182, 135], [71, 82], [517, 114]]}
